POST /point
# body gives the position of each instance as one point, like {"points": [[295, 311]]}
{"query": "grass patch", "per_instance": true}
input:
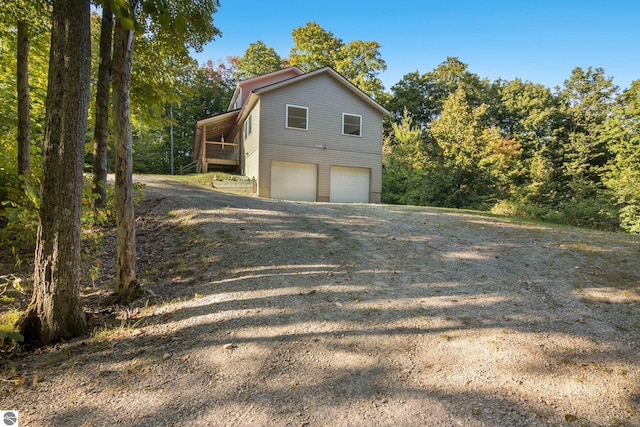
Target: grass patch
{"points": [[224, 233], [108, 332], [242, 186], [9, 334], [8, 319], [567, 361], [586, 248], [208, 178]]}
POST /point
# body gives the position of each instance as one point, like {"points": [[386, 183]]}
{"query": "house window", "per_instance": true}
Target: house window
{"points": [[239, 100], [246, 127], [351, 124], [297, 117]]}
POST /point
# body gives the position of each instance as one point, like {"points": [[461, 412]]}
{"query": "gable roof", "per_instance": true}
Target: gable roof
{"points": [[293, 69], [333, 73], [262, 80]]}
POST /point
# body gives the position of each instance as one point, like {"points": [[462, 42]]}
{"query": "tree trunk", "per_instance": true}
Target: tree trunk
{"points": [[55, 312], [23, 98], [127, 286], [102, 110]]}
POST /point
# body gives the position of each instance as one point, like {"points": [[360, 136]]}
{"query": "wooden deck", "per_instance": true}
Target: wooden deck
{"points": [[224, 153], [220, 154], [210, 143]]}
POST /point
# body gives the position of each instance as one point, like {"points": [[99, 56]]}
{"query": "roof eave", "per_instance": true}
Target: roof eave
{"points": [[215, 118]]}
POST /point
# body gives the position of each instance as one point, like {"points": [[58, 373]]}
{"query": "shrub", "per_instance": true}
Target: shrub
{"points": [[593, 213], [19, 214], [9, 288], [630, 218]]}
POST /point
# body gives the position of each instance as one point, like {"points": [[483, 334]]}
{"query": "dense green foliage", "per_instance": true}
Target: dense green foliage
{"points": [[166, 81], [19, 198], [257, 60], [569, 156], [204, 91]]}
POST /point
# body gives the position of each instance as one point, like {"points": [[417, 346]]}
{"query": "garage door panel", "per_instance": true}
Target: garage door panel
{"points": [[349, 184], [294, 181]]}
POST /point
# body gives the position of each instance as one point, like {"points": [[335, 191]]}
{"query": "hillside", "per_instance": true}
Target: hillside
{"points": [[262, 312]]}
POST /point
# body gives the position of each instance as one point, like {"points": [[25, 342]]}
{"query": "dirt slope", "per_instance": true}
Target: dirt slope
{"points": [[262, 312]]}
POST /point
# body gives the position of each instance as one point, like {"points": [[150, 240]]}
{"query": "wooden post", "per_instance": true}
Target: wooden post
{"points": [[203, 149]]}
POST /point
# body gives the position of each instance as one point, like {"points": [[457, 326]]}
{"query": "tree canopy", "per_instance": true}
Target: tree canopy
{"points": [[258, 59], [359, 61], [517, 147]]}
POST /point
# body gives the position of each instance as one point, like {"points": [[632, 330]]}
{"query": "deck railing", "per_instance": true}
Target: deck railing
{"points": [[227, 153]]}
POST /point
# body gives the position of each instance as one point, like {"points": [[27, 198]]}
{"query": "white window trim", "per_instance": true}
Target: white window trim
{"points": [[247, 126], [354, 115], [238, 103], [286, 117]]}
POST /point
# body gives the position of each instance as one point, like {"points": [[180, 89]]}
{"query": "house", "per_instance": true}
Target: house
{"points": [[302, 136]]}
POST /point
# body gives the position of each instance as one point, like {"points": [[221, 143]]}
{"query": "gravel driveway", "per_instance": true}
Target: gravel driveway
{"points": [[270, 313]]}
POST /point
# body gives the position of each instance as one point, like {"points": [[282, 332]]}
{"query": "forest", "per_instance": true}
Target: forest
{"points": [[569, 154]]}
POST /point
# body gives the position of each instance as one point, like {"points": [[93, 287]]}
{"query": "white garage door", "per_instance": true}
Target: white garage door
{"points": [[294, 181], [349, 184]]}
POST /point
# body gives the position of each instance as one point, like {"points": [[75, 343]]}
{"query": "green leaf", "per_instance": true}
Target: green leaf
{"points": [[15, 336], [164, 19], [127, 22], [180, 24]]}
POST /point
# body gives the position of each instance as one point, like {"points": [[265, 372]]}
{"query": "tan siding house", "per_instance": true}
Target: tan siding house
{"points": [[307, 136]]}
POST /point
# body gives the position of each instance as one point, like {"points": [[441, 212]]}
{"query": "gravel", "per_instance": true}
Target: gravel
{"points": [[263, 312]]}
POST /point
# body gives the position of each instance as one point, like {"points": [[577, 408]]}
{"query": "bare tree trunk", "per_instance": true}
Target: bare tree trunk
{"points": [[55, 312], [24, 140], [127, 286], [102, 109]]}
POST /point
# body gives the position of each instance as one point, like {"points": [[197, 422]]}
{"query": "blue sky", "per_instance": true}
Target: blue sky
{"points": [[540, 41]]}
